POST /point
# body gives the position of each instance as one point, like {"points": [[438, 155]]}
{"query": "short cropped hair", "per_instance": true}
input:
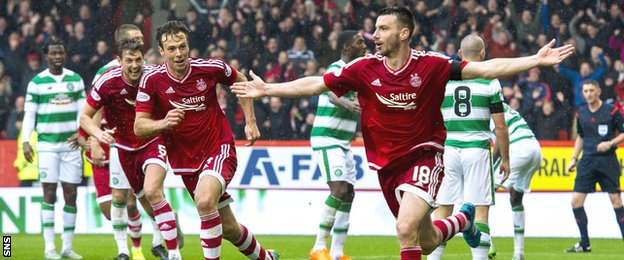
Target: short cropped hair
{"points": [[170, 28], [130, 45], [404, 16], [122, 32]]}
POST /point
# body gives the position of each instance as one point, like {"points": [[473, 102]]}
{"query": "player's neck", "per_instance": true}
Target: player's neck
{"points": [[594, 105], [56, 71], [178, 74], [398, 59]]}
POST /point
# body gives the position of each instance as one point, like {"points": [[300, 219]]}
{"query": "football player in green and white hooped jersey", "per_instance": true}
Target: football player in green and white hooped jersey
{"points": [[333, 129], [53, 101], [467, 109], [527, 156]]}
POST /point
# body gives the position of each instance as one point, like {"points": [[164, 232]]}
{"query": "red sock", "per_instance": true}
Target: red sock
{"points": [[247, 245], [411, 253], [451, 225], [210, 234], [135, 224], [165, 219]]}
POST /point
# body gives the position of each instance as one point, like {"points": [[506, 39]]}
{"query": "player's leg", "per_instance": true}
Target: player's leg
{"points": [[49, 174], [163, 213], [609, 181], [70, 167], [616, 201], [240, 236], [478, 189], [119, 220], [344, 191], [102, 189], [158, 250], [451, 192], [209, 188], [135, 224], [332, 203], [584, 183]]}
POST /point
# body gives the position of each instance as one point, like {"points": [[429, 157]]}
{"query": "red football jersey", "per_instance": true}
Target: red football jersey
{"points": [[401, 109], [117, 96], [204, 127]]}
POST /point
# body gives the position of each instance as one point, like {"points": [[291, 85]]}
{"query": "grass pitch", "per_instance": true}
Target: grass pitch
{"points": [[297, 247]]}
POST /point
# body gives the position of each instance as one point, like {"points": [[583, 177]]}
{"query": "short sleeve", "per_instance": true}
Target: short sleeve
{"points": [[229, 74], [32, 98], [579, 127], [496, 97], [145, 95], [345, 79]]}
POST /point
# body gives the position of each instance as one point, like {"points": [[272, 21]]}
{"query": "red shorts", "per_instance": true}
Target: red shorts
{"points": [[421, 175], [221, 165], [134, 163], [101, 178]]}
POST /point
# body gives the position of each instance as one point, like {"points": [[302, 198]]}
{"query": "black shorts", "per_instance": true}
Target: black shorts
{"points": [[602, 169]]}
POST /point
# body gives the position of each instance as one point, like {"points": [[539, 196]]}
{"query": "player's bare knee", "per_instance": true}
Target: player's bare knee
{"points": [[206, 204], [153, 194], [616, 199], [406, 233]]}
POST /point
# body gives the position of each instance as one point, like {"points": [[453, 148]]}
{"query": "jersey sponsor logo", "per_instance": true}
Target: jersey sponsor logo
{"points": [[130, 102], [201, 85], [142, 97], [95, 95], [190, 103], [228, 71], [61, 99], [376, 83], [415, 80], [395, 100], [603, 130], [123, 92], [170, 90]]}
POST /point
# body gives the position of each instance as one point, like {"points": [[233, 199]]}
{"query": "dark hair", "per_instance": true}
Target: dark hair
{"points": [[404, 16], [345, 38], [122, 32], [53, 42], [591, 82], [170, 28], [129, 45]]}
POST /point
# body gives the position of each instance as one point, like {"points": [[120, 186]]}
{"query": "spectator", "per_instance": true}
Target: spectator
{"points": [[299, 54], [583, 74], [616, 42], [277, 124], [527, 26], [32, 68], [534, 91], [15, 115], [547, 122]]}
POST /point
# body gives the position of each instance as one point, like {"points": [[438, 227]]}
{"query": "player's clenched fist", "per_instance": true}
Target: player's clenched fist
{"points": [[173, 118]]}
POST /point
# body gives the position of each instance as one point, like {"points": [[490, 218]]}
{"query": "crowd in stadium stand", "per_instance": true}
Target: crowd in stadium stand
{"points": [[281, 40]]}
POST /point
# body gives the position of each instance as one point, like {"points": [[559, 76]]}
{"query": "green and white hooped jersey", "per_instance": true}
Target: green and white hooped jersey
{"points": [[103, 69], [466, 112], [518, 128], [56, 101], [333, 125]]}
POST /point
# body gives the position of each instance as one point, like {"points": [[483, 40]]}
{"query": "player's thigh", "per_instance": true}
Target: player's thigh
{"points": [[609, 177], [530, 163], [149, 161], [71, 167], [478, 178], [119, 162], [451, 190], [101, 180], [421, 178], [49, 166], [585, 180], [336, 164]]}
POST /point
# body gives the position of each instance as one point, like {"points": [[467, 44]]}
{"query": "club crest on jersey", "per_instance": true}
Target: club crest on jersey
{"points": [[70, 87], [228, 71], [201, 85], [415, 80]]}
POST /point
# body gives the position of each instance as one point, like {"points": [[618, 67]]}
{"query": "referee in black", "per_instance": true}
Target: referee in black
{"points": [[597, 123]]}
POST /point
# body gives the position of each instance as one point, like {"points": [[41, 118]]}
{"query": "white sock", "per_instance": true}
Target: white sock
{"points": [[328, 218], [437, 253], [69, 224], [518, 222], [157, 237], [341, 228], [119, 219], [481, 252], [47, 222]]}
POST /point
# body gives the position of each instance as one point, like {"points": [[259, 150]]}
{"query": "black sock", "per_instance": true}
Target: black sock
{"points": [[619, 215], [581, 221]]}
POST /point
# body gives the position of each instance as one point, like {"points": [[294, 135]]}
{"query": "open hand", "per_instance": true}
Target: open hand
{"points": [[250, 89], [548, 56]]}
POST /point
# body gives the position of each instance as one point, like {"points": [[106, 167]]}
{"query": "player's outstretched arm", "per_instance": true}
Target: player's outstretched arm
{"points": [[503, 67], [145, 126], [303, 87]]}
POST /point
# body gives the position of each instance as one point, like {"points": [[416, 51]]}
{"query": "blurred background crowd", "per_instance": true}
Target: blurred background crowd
{"points": [[281, 40]]}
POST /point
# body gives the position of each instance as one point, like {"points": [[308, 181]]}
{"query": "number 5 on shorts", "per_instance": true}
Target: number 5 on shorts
{"points": [[421, 175], [162, 150]]}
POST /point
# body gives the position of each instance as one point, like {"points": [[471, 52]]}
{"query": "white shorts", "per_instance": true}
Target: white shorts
{"points": [[467, 177], [63, 166], [118, 179], [525, 158], [336, 164]]}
